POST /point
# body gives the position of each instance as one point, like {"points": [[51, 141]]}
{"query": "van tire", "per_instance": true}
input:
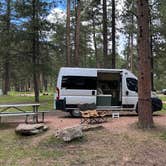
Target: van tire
{"points": [[75, 113], [136, 109], [156, 105]]}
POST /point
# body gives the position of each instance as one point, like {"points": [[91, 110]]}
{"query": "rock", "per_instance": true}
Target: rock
{"points": [[31, 129], [88, 127], [70, 133]]}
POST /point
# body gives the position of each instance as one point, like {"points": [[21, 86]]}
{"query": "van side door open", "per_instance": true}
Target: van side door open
{"points": [[110, 84]]}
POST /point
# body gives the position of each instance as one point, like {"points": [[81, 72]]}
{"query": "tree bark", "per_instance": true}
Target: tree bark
{"points": [[131, 53], [144, 80], [68, 60], [152, 66], [131, 45], [105, 41], [151, 49], [113, 36], [6, 86], [128, 52], [95, 43], [35, 48], [77, 34]]}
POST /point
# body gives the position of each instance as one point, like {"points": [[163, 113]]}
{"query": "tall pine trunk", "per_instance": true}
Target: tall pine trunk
{"points": [[152, 66], [131, 45], [95, 42], [105, 41], [113, 36], [132, 42], [131, 52], [35, 48], [128, 53], [68, 59], [77, 34], [151, 49], [6, 77], [144, 81]]}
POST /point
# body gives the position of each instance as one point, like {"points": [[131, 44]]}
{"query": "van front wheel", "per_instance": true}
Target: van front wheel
{"points": [[75, 113], [136, 109]]}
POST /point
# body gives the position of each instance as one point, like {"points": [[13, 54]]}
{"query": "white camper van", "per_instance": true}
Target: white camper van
{"points": [[108, 89]]}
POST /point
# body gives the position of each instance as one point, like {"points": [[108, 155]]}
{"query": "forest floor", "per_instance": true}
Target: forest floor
{"points": [[120, 142]]}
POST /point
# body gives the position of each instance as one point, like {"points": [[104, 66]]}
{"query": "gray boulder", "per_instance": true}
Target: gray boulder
{"points": [[30, 129], [70, 133]]}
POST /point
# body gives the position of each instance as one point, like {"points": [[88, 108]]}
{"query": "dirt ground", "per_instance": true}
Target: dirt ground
{"points": [[61, 120], [119, 143]]}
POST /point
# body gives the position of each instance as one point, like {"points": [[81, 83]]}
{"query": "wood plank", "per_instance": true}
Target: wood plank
{"points": [[16, 114], [18, 105]]}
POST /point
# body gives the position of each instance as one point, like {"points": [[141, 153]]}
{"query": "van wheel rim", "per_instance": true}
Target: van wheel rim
{"points": [[76, 113]]}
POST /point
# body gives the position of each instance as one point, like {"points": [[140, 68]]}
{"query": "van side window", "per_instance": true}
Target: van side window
{"points": [[79, 82], [132, 84]]}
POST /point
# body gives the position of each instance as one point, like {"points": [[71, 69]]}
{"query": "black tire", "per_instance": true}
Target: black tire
{"points": [[136, 109], [156, 105], [75, 113]]}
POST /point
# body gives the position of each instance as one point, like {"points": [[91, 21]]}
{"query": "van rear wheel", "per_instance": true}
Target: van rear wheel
{"points": [[75, 113]]}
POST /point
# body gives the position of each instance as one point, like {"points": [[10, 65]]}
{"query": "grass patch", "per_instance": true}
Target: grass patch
{"points": [[163, 111], [163, 136], [52, 142], [4, 126], [162, 97], [17, 150], [98, 147], [55, 143], [79, 141], [46, 101]]}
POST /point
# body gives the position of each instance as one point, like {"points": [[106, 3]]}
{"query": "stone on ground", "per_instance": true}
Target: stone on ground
{"points": [[30, 129], [70, 133]]}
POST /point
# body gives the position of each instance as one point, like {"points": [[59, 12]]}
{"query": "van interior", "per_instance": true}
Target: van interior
{"points": [[109, 86]]}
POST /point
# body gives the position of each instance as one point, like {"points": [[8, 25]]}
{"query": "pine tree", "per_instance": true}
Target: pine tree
{"points": [[68, 49], [77, 34], [105, 34], [5, 36], [34, 24], [113, 36], [144, 81], [130, 31]]}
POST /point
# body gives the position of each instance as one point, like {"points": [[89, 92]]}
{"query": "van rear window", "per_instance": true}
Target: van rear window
{"points": [[79, 82]]}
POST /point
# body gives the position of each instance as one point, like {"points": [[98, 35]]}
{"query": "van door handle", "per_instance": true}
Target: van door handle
{"points": [[127, 93], [93, 92]]}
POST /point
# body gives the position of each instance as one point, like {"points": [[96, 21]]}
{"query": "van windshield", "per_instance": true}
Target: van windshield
{"points": [[79, 82], [132, 84]]}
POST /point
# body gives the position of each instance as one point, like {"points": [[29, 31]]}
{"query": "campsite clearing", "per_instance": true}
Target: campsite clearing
{"points": [[120, 142]]}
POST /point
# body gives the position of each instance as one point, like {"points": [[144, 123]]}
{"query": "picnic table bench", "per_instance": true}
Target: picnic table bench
{"points": [[34, 113], [93, 116], [11, 114]]}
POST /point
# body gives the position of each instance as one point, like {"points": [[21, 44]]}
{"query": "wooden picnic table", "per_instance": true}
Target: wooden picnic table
{"points": [[34, 112]]}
